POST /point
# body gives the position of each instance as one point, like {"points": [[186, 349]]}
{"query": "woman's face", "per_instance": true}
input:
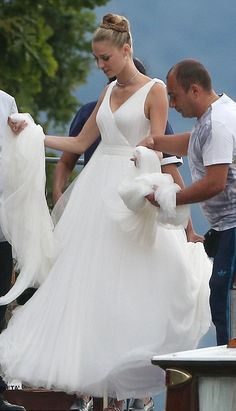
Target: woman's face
{"points": [[110, 59]]}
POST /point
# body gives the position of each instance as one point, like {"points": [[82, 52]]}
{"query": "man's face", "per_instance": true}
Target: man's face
{"points": [[181, 100]]}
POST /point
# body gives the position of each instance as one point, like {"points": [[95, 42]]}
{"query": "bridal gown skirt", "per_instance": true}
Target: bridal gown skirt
{"points": [[109, 304]]}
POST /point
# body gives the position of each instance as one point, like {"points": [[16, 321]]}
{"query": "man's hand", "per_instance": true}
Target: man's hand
{"points": [[151, 198], [193, 237], [16, 126], [147, 142]]}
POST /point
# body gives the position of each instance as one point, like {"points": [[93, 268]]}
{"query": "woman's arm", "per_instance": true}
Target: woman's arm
{"points": [[156, 109], [77, 145], [80, 143]]}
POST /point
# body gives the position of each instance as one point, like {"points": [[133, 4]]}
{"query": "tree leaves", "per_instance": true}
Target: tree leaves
{"points": [[45, 54]]}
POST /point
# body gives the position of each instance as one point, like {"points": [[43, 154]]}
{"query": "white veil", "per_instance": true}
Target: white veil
{"points": [[25, 218]]}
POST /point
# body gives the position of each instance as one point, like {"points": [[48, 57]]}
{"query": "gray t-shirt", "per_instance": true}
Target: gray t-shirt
{"points": [[213, 141]]}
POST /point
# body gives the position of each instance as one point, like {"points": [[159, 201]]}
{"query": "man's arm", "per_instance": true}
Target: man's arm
{"points": [[62, 173], [68, 161], [176, 144], [210, 185], [172, 169]]}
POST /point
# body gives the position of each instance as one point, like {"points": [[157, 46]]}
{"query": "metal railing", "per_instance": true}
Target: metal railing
{"points": [[54, 160]]}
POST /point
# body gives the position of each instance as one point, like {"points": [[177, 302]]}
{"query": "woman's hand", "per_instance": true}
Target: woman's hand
{"points": [[16, 126]]}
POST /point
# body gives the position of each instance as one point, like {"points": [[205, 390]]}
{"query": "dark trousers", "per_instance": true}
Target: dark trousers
{"points": [[5, 284], [224, 270]]}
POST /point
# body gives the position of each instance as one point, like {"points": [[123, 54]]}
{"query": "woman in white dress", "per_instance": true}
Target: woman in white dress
{"points": [[110, 303]]}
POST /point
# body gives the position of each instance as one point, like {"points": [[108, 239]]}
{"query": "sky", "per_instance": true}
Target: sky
{"points": [[167, 31]]}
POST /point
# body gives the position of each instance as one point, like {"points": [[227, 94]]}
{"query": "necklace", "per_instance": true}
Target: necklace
{"points": [[128, 81]]}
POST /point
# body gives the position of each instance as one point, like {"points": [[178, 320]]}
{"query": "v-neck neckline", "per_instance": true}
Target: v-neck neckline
{"points": [[118, 108]]}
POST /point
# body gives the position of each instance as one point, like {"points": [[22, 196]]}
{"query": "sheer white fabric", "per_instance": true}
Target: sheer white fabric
{"points": [[109, 303], [217, 393], [141, 222], [26, 222]]}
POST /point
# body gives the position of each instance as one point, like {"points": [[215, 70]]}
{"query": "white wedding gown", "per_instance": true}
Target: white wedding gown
{"points": [[109, 303]]}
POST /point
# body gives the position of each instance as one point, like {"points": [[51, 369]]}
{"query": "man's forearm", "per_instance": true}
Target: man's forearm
{"points": [[60, 179], [176, 144], [196, 193], [213, 183]]}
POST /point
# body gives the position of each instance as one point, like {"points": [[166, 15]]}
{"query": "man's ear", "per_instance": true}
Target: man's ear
{"points": [[195, 88]]}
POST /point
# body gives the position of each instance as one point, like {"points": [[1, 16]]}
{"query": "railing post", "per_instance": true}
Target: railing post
{"points": [[233, 312]]}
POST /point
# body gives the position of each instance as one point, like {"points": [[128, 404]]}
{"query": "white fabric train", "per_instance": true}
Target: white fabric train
{"points": [[23, 161]]}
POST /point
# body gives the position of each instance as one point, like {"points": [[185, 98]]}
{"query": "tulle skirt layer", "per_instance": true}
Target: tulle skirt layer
{"points": [[109, 304]]}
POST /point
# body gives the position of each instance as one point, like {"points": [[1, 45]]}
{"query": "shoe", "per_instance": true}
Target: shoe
{"points": [[81, 404], [6, 406], [26, 295], [142, 405]]}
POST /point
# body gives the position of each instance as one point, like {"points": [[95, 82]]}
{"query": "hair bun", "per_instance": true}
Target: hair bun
{"points": [[115, 22]]}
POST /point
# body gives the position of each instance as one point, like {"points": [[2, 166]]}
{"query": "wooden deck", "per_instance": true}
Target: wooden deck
{"points": [[40, 400], [45, 400]]}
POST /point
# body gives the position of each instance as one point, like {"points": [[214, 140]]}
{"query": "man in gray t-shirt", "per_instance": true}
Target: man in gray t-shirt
{"points": [[213, 142], [211, 150]]}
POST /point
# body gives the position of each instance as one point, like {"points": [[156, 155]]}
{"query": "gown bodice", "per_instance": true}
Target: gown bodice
{"points": [[127, 125]]}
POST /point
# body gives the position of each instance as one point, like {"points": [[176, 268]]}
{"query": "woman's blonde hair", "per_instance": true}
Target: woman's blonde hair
{"points": [[114, 28]]}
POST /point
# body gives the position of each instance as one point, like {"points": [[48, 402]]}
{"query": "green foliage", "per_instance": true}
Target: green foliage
{"points": [[45, 54]]}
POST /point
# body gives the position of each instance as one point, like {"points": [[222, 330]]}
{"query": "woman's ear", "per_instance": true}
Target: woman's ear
{"points": [[127, 49]]}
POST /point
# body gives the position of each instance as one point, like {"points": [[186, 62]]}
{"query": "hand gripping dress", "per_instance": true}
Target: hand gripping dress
{"points": [[109, 303]]}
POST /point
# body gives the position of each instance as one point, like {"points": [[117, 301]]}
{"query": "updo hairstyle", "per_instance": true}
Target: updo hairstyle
{"points": [[114, 28]]}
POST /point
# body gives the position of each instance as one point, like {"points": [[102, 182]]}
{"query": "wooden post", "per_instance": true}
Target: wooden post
{"points": [[98, 404], [181, 391], [184, 395]]}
